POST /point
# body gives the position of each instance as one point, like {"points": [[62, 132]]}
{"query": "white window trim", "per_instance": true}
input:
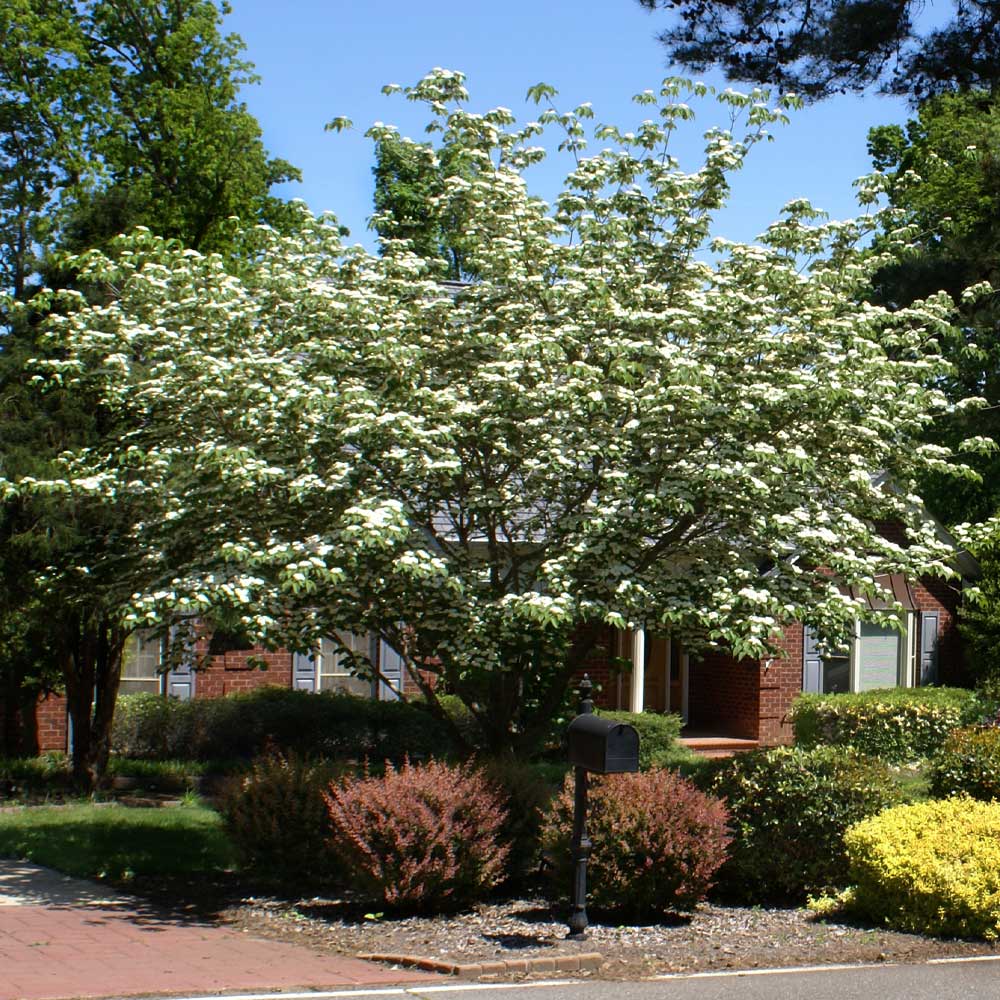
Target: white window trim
{"points": [[907, 658], [159, 677]]}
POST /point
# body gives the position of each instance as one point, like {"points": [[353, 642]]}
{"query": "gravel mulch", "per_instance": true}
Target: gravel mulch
{"points": [[715, 937]]}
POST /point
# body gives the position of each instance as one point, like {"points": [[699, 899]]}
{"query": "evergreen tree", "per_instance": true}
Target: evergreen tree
{"points": [[834, 46]]}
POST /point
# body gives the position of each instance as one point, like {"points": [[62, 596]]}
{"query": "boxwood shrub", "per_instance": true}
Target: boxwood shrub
{"points": [[330, 724], [930, 867], [277, 818], [968, 763], [658, 737], [899, 725], [790, 808]]}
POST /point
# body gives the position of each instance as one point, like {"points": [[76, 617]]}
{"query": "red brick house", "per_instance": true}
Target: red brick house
{"points": [[719, 697], [230, 672], [722, 698]]}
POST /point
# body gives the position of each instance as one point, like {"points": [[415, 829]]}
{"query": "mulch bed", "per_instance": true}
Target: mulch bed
{"points": [[715, 937]]}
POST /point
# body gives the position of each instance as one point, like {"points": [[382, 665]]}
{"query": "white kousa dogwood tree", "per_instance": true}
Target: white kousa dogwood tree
{"points": [[618, 421]]}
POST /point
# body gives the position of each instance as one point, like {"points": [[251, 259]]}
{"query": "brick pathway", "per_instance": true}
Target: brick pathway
{"points": [[63, 938]]}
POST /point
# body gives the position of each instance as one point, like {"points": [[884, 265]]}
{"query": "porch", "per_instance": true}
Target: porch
{"points": [[712, 743]]}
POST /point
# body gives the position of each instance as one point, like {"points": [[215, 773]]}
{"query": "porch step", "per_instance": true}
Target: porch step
{"points": [[718, 746]]}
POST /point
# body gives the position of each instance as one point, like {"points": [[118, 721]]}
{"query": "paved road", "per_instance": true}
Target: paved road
{"points": [[968, 979]]}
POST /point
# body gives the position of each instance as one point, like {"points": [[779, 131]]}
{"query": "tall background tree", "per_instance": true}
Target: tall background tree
{"points": [[953, 146], [825, 47], [113, 114], [412, 202]]}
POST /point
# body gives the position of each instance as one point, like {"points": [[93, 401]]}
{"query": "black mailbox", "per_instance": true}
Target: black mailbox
{"points": [[602, 746]]}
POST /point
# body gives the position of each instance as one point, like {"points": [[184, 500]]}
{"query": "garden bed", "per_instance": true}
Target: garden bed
{"points": [[716, 937]]}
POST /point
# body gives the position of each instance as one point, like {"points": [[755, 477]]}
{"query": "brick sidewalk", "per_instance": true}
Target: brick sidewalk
{"points": [[66, 938]]}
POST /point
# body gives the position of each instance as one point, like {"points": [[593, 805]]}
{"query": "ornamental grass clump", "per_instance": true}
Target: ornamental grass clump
{"points": [[790, 809], [968, 764], [657, 842], [421, 836], [930, 868]]}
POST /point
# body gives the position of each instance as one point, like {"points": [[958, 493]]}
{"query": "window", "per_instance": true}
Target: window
{"points": [[334, 672], [141, 664], [882, 657], [878, 656]]}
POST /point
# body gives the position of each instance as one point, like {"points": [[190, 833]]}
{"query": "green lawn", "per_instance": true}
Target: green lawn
{"points": [[914, 782], [117, 841]]}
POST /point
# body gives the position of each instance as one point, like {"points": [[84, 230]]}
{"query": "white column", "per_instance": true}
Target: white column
{"points": [[638, 668], [685, 670]]}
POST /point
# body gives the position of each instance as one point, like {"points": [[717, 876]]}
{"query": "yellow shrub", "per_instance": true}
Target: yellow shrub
{"points": [[932, 867]]}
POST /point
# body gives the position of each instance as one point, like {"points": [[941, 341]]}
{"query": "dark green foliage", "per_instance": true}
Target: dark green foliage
{"points": [[789, 809], [979, 625], [526, 793], [657, 842], [953, 145], [117, 115], [276, 816], [968, 764], [658, 745], [898, 725], [464, 721], [828, 46], [330, 724], [408, 177]]}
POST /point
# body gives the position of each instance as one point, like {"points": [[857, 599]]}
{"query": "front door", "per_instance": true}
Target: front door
{"points": [[665, 680], [654, 695]]}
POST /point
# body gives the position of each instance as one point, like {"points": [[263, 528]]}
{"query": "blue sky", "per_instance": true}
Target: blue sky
{"points": [[323, 58]]}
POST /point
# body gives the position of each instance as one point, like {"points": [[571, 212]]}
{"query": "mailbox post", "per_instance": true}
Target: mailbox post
{"points": [[581, 842], [604, 747]]}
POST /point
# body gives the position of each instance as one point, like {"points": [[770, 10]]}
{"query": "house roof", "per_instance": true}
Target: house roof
{"points": [[897, 591]]}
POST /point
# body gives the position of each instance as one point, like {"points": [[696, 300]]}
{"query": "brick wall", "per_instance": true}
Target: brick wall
{"points": [[611, 684], [53, 726], [231, 672], [780, 682]]}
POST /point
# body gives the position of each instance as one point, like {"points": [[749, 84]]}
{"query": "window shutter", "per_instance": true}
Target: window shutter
{"points": [[390, 665], [812, 663], [929, 642], [304, 672], [180, 678]]}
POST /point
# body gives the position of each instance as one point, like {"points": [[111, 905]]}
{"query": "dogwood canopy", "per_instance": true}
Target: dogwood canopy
{"points": [[619, 421]]}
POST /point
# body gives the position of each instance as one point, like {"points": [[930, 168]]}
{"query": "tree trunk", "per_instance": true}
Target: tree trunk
{"points": [[92, 668], [18, 724]]}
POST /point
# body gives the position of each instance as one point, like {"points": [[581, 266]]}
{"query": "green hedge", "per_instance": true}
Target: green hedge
{"points": [[790, 808], [898, 725], [968, 763], [330, 724], [658, 738]]}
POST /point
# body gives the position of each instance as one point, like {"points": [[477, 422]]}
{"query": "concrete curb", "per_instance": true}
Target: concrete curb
{"points": [[562, 963]]}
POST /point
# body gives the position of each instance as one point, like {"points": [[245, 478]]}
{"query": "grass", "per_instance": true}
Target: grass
{"points": [[914, 783], [89, 840]]}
